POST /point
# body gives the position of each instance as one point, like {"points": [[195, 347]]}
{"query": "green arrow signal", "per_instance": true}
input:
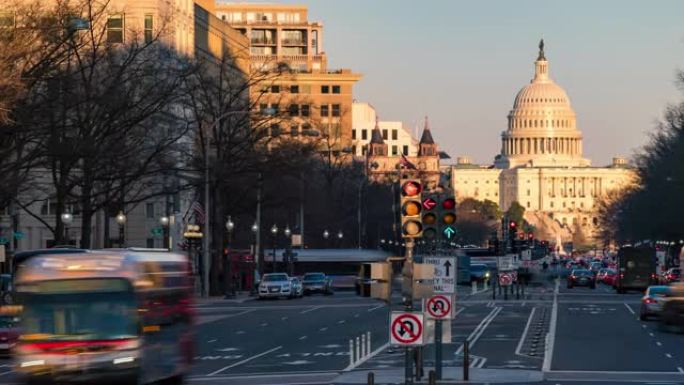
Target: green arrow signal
{"points": [[449, 232]]}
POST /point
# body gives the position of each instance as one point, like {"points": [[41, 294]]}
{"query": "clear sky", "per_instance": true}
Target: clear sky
{"points": [[462, 63]]}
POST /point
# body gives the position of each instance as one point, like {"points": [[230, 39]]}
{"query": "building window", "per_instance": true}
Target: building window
{"points": [[551, 204], [149, 211], [149, 28], [364, 134], [395, 151], [528, 205], [405, 150], [384, 134], [275, 89], [293, 110], [325, 89], [305, 110], [395, 134], [336, 110], [354, 135], [528, 194], [294, 130], [325, 110], [149, 243], [275, 130], [6, 20], [294, 89], [335, 89], [115, 29]]}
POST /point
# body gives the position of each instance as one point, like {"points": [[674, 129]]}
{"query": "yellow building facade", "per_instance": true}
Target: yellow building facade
{"points": [[541, 164]]}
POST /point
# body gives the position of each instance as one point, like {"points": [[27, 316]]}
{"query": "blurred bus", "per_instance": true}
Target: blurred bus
{"points": [[112, 316]]}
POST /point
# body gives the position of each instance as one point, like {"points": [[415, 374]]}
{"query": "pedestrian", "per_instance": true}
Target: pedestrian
{"points": [[545, 266]]}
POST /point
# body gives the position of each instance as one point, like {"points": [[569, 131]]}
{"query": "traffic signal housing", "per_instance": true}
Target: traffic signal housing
{"points": [[411, 208], [447, 218], [429, 217]]}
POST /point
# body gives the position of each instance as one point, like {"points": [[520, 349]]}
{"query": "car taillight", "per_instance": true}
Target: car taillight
{"points": [[649, 300], [74, 347]]}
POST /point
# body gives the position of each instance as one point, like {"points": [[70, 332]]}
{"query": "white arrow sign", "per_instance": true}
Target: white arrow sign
{"points": [[445, 274]]}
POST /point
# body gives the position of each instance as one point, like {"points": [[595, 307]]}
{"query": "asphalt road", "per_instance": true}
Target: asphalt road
{"points": [[550, 335]]}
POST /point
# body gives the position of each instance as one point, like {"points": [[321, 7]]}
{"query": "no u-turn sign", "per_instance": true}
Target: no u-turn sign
{"points": [[406, 329]]}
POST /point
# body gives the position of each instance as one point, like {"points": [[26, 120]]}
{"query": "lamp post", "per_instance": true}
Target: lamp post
{"points": [[288, 249], [121, 221], [164, 222], [340, 235], [228, 284], [274, 234], [326, 235], [67, 219]]}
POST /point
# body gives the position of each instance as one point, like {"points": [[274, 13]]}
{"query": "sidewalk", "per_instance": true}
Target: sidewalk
{"points": [[240, 297], [450, 375]]}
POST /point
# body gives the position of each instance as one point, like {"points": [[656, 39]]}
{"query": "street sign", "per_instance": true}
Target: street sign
{"points": [[444, 281], [157, 231], [4, 240], [296, 239], [18, 235], [438, 307], [505, 263], [406, 329], [505, 279]]}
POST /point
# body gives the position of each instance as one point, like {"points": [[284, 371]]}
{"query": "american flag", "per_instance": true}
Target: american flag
{"points": [[405, 163], [198, 210]]}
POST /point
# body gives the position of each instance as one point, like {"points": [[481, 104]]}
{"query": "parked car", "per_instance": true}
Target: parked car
{"points": [[581, 277], [297, 288], [479, 272], [595, 267], [652, 301], [671, 275], [609, 277], [317, 283], [275, 285], [9, 329]]}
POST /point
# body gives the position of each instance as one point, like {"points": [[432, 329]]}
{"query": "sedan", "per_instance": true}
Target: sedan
{"points": [[671, 275], [652, 301], [275, 285], [9, 331], [581, 277], [297, 288], [317, 283], [609, 277]]}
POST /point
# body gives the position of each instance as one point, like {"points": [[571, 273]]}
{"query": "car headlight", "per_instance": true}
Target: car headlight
{"points": [[487, 274]]}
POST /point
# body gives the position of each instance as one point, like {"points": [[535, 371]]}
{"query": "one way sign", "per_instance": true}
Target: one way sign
{"points": [[445, 274]]}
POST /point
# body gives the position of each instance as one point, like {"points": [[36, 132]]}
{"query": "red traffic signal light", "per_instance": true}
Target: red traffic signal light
{"points": [[512, 225], [449, 204], [411, 189], [530, 236], [521, 235]]}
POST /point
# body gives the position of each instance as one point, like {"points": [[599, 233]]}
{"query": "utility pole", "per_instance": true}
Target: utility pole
{"points": [[206, 263]]}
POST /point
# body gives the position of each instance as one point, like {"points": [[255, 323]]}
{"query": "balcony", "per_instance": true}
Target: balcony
{"points": [[262, 41], [294, 42]]}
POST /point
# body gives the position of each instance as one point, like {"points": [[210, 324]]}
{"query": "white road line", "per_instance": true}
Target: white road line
{"points": [[630, 309], [340, 321], [659, 343], [679, 368], [551, 335], [322, 329], [651, 334], [458, 311], [245, 360], [283, 318], [668, 355], [376, 307], [524, 334], [475, 335], [7, 372], [366, 358], [310, 310], [302, 338], [643, 326], [356, 315], [210, 341], [264, 324]]}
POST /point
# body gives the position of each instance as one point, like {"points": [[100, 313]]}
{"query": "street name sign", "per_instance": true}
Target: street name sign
{"points": [[505, 263], [438, 307], [444, 281], [406, 329]]}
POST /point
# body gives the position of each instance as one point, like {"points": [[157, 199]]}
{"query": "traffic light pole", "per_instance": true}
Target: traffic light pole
{"points": [[408, 306]]}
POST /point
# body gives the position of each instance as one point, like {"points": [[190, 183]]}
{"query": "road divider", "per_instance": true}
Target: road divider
{"points": [[359, 349]]}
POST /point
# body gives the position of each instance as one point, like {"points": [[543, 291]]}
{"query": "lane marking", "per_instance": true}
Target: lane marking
{"points": [[302, 338], [475, 335], [524, 333], [211, 341], [679, 368], [668, 355], [551, 335], [366, 358], [630, 309], [651, 334], [340, 321], [659, 343], [283, 318], [310, 310], [376, 307], [245, 360], [264, 324], [458, 312], [7, 372], [356, 315], [643, 326], [323, 329]]}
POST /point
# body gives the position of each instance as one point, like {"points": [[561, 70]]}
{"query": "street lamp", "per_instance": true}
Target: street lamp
{"points": [[287, 231], [326, 234], [121, 221], [228, 288], [274, 234], [164, 222], [67, 219]]}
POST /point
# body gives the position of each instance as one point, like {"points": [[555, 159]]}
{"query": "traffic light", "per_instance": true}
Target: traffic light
{"points": [[429, 217], [411, 207], [447, 218], [530, 239]]}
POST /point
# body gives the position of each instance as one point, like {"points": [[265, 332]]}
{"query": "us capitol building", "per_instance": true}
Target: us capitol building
{"points": [[541, 165]]}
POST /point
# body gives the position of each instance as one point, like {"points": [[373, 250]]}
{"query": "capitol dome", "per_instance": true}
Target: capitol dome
{"points": [[542, 126]]}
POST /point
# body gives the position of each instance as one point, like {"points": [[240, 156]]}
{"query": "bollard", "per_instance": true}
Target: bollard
{"points": [[363, 345], [351, 352], [517, 290], [494, 290], [432, 378], [474, 285], [368, 341], [466, 361], [371, 379], [486, 284], [358, 347], [505, 289]]}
